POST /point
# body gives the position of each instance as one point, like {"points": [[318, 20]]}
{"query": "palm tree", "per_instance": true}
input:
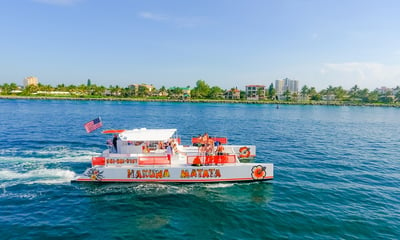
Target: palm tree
{"points": [[304, 91], [373, 96], [287, 94], [271, 91], [143, 91], [8, 88], [294, 96], [61, 88], [354, 91], [314, 95], [339, 93], [363, 94]]}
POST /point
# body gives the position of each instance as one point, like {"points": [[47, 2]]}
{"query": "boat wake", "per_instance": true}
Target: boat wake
{"points": [[48, 165], [10, 178], [49, 154]]}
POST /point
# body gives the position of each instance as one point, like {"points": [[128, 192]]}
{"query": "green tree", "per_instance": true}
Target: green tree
{"points": [[373, 96], [287, 95], [314, 95], [329, 90], [261, 93], [271, 92], [215, 93], [201, 90], [162, 89], [115, 91], [304, 91], [30, 89], [175, 92], [8, 88], [143, 91], [387, 97], [363, 94], [354, 92], [339, 92], [397, 96], [72, 89], [82, 90], [61, 88], [96, 90], [294, 96], [47, 88]]}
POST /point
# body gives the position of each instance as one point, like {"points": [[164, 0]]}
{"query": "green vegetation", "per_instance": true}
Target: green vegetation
{"points": [[203, 92]]}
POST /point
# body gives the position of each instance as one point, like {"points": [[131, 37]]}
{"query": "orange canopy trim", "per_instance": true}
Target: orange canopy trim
{"points": [[112, 131], [222, 140]]}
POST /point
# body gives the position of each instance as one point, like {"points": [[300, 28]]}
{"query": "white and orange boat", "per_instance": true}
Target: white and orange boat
{"points": [[157, 155]]}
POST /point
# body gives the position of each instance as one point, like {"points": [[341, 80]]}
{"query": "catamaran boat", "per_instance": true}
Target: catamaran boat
{"points": [[157, 155]]}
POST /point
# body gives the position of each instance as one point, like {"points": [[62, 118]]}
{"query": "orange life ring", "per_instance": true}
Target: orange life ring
{"points": [[244, 152]]}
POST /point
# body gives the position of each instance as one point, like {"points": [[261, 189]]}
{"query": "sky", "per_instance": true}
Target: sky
{"points": [[226, 43]]}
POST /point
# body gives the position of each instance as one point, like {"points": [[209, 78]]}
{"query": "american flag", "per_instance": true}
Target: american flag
{"points": [[93, 125]]}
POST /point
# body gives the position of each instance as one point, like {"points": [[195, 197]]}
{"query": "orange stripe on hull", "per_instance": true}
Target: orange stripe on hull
{"points": [[175, 180]]}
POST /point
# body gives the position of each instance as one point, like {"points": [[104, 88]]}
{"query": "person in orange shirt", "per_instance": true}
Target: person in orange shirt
{"points": [[220, 149]]}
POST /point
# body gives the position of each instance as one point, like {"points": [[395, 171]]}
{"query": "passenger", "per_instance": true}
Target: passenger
{"points": [[203, 144], [220, 148], [210, 146], [175, 147], [204, 138], [169, 151], [114, 141], [145, 149]]}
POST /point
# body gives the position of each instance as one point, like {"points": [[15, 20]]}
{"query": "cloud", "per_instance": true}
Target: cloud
{"points": [[58, 2], [180, 22], [153, 16], [365, 74]]}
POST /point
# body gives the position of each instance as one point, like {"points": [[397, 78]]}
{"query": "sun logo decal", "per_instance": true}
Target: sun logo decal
{"points": [[94, 174], [244, 152], [258, 172]]}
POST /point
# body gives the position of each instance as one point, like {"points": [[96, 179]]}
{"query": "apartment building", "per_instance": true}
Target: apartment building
{"points": [[255, 92], [31, 81]]}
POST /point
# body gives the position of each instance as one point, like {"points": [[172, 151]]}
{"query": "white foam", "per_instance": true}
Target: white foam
{"points": [[219, 185], [42, 176], [79, 156]]}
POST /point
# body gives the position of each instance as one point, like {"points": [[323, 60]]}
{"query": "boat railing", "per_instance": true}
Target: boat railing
{"points": [[229, 150], [200, 160], [119, 155]]}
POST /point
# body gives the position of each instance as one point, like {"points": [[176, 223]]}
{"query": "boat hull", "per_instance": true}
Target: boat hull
{"points": [[243, 172]]}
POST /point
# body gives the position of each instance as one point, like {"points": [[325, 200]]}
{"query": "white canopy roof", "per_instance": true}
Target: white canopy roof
{"points": [[144, 134]]}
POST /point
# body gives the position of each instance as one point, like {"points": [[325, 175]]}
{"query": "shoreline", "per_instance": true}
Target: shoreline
{"points": [[320, 103]]}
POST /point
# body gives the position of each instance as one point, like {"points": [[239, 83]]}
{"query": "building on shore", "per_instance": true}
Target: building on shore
{"points": [[286, 84], [136, 87], [233, 94], [31, 81], [255, 92]]}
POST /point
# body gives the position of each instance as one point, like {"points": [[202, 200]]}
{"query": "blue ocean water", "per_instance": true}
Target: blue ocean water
{"points": [[336, 173]]}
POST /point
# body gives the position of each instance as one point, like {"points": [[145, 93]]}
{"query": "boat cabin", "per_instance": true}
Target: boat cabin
{"points": [[144, 140]]}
